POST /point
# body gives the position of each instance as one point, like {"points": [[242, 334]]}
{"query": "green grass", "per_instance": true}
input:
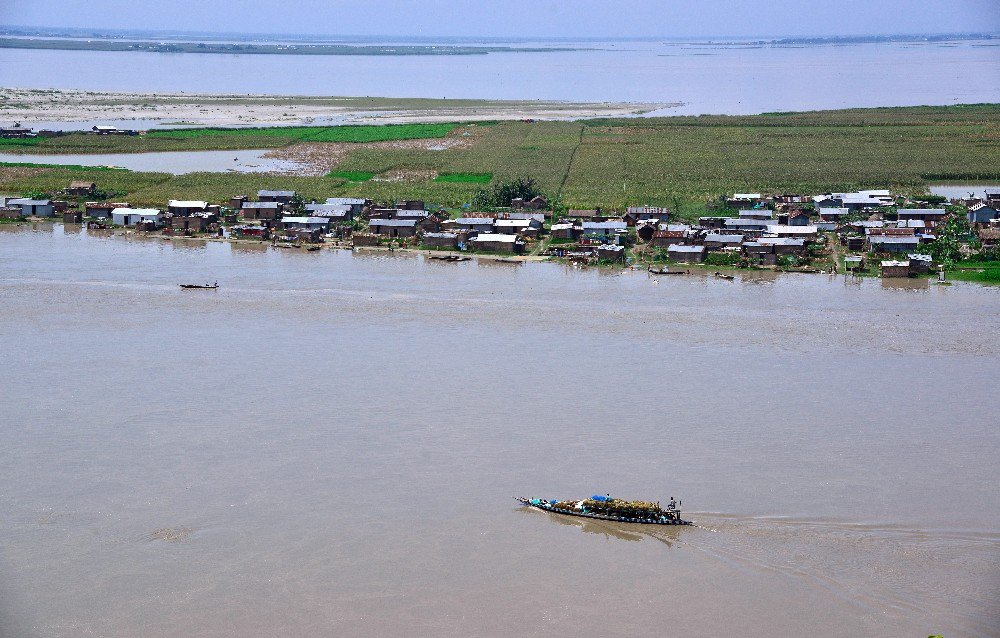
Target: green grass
{"points": [[352, 176], [679, 162], [464, 178], [16, 142], [200, 139], [70, 167]]}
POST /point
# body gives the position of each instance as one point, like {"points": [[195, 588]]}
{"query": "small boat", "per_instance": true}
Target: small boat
{"points": [[606, 508], [449, 257], [724, 276], [200, 286], [664, 271], [288, 245], [312, 249]]}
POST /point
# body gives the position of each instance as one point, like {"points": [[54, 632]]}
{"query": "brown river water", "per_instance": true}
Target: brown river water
{"points": [[329, 443]]}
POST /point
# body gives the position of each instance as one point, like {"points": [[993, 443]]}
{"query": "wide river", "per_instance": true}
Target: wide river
{"points": [[329, 443], [715, 77]]}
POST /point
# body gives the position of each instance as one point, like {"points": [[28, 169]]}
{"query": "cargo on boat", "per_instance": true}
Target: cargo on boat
{"points": [[612, 509]]}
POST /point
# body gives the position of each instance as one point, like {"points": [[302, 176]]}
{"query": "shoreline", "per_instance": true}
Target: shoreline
{"points": [[31, 106]]}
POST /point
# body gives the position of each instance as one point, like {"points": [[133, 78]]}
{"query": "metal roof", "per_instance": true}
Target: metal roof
{"points": [[604, 225], [345, 201], [266, 193], [893, 239], [724, 238], [274, 205], [181, 203], [393, 222], [732, 221], [29, 202], [507, 239], [475, 221], [678, 248], [304, 220]]}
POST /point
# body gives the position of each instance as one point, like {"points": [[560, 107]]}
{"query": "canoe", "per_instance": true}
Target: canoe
{"points": [[665, 517], [664, 271], [199, 286], [724, 276]]}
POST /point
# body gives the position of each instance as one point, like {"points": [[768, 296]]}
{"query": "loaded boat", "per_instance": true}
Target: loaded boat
{"points": [[200, 286], [612, 509]]}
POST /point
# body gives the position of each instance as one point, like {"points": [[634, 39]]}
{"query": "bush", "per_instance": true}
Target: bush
{"points": [[501, 194], [722, 259]]}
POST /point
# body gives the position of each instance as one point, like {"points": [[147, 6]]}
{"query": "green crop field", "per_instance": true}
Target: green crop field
{"points": [[680, 162], [200, 139], [464, 178]]}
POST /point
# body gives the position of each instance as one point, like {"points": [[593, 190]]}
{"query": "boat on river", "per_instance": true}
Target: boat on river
{"points": [[612, 509], [665, 271], [200, 286]]}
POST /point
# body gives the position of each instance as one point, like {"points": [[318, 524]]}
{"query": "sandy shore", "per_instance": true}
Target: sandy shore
{"points": [[41, 105]]}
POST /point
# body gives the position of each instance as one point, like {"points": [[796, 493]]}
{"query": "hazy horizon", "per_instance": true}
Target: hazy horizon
{"points": [[518, 19]]}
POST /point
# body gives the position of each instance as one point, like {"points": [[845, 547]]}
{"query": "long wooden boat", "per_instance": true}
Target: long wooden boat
{"points": [[449, 257], [200, 286], [721, 275], [611, 509], [664, 271]]}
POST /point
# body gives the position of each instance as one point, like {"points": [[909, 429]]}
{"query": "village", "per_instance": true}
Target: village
{"points": [[870, 232]]}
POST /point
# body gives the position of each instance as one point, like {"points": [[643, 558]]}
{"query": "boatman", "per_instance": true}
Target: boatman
{"points": [[673, 504]]}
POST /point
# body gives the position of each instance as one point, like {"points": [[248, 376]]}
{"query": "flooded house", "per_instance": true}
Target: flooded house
{"points": [[930, 215], [783, 245], [611, 253], [356, 204], [321, 224], [718, 241], [100, 210], [564, 231], [895, 268], [393, 227], [336, 213], [411, 204], [893, 243], [784, 230], [81, 189], [992, 197], [981, 213], [261, 211], [760, 213], [686, 254], [668, 238], [514, 226], [135, 216], [713, 221], [833, 214], [761, 225], [440, 240], [251, 231], [479, 224], [282, 197], [33, 207], [636, 214], [497, 243], [743, 200], [186, 208], [593, 214], [604, 230]]}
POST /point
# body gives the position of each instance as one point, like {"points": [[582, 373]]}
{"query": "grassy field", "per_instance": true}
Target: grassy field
{"points": [[681, 162]]}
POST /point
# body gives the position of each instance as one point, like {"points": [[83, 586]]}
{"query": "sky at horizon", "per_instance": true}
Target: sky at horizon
{"points": [[512, 18]]}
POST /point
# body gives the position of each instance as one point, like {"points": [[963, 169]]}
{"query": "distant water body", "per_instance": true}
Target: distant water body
{"points": [[723, 77]]}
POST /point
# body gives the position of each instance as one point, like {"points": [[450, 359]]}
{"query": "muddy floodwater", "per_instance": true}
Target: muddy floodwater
{"points": [[174, 162], [328, 444]]}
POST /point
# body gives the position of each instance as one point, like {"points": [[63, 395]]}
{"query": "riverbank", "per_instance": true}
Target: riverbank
{"points": [[48, 106]]}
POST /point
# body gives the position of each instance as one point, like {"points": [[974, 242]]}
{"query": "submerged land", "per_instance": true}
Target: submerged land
{"points": [[28, 105]]}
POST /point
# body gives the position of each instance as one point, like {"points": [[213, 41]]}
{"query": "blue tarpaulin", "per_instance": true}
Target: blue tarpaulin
{"points": [[598, 497]]}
